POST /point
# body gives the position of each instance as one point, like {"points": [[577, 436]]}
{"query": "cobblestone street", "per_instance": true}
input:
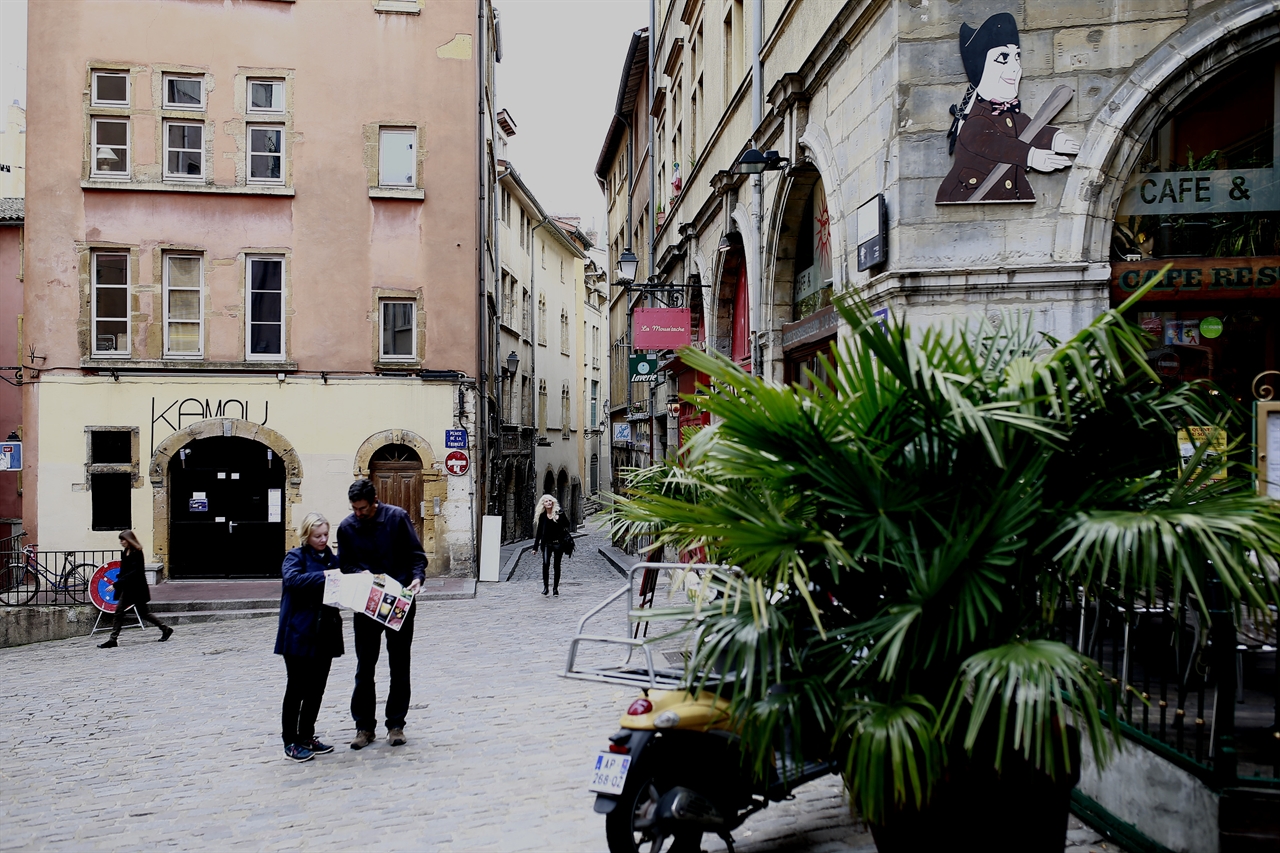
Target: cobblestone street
{"points": [[177, 745]]}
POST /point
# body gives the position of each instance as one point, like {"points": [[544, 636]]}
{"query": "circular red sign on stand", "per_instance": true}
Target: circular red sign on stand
{"points": [[102, 591], [457, 463]]}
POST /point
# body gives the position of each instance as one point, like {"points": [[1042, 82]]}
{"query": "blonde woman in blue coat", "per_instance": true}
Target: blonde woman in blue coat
{"points": [[309, 638]]}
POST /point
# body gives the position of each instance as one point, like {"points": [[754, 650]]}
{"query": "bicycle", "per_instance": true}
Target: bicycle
{"points": [[22, 577]]}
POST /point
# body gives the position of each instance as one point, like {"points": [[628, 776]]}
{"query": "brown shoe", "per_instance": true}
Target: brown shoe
{"points": [[395, 737], [363, 739]]}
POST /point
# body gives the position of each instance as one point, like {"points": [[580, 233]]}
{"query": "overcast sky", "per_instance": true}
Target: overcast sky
{"points": [[13, 51], [561, 64]]}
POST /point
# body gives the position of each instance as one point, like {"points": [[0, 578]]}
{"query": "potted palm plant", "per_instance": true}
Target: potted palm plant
{"points": [[907, 535]]}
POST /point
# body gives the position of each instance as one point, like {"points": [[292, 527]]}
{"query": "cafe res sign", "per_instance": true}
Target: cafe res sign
{"points": [[660, 328]]}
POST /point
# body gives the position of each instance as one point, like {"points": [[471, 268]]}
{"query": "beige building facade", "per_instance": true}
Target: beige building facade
{"points": [[258, 274]]}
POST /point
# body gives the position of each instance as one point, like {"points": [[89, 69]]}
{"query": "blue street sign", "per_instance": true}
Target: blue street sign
{"points": [[455, 438]]}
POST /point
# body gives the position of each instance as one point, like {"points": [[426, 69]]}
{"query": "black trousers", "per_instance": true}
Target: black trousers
{"points": [[302, 696], [117, 624], [547, 553], [364, 699]]}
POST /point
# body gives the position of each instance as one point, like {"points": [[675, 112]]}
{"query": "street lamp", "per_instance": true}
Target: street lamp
{"points": [[627, 264], [513, 363], [754, 161]]}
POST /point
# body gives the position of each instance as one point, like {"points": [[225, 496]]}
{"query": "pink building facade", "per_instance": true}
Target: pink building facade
{"points": [[252, 275]]}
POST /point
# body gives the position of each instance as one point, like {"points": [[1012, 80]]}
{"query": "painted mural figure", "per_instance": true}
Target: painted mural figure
{"points": [[989, 132]]}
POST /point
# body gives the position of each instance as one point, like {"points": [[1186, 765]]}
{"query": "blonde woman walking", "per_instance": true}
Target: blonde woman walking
{"points": [[549, 531]]}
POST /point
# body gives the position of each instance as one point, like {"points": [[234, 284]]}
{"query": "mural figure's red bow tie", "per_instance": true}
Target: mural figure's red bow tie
{"points": [[1014, 106]]}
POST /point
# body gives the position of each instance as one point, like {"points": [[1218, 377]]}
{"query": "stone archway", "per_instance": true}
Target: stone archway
{"points": [[158, 473], [435, 490], [1115, 137]]}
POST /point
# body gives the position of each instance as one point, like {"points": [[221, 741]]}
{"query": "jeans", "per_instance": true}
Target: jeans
{"points": [[302, 696], [117, 624], [364, 699], [547, 553]]}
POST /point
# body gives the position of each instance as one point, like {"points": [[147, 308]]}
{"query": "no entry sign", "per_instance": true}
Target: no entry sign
{"points": [[457, 463]]}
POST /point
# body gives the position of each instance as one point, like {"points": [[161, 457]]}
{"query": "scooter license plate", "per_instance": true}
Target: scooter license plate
{"points": [[609, 773]]}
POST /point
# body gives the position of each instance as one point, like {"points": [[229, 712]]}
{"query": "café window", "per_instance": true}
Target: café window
{"points": [[1202, 199], [813, 255]]}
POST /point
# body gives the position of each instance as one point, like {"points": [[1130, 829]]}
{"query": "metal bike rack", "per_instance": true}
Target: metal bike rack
{"points": [[629, 671]]}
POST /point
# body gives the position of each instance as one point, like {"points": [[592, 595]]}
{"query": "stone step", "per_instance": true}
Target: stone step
{"points": [[271, 604], [195, 617]]}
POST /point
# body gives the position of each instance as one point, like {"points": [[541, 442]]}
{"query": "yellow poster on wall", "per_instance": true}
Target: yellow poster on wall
{"points": [[1215, 457]]}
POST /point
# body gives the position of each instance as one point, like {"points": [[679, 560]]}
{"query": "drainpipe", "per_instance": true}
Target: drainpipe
{"points": [[653, 186], [757, 115], [533, 337], [482, 403]]}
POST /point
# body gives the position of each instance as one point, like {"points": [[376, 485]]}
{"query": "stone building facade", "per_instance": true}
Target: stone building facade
{"points": [[259, 274]]}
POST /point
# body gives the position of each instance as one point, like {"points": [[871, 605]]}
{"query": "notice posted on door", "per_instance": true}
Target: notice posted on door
{"points": [[379, 597]]}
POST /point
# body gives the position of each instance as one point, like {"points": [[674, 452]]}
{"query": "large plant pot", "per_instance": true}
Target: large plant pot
{"points": [[1020, 809]]}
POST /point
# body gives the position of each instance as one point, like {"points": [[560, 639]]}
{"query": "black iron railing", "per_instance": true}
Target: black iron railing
{"points": [[29, 576], [1202, 690]]}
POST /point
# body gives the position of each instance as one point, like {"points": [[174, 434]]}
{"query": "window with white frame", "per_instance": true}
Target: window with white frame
{"points": [[266, 155], [110, 89], [397, 332], [183, 151], [183, 92], [397, 160], [264, 314], [183, 306], [110, 319], [265, 96], [111, 148]]}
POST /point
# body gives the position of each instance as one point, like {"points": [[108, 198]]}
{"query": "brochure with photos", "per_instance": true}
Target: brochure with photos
{"points": [[379, 597]]}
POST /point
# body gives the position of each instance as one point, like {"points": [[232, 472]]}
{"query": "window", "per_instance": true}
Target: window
{"points": [[111, 148], [562, 270], [544, 256], [506, 208], [183, 93], [542, 320], [110, 304], [565, 405], [525, 313], [183, 306], [522, 228], [397, 332], [542, 406], [265, 96], [110, 89], [397, 163], [266, 155], [595, 347], [110, 471], [595, 399], [564, 331], [183, 150], [264, 316], [526, 401]]}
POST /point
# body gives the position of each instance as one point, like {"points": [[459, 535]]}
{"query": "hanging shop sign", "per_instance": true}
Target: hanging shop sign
{"points": [[642, 367], [11, 456], [660, 328], [622, 432], [873, 233], [1199, 278]]}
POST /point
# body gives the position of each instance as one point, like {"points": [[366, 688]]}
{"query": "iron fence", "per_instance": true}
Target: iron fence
{"points": [[30, 577], [1201, 690]]}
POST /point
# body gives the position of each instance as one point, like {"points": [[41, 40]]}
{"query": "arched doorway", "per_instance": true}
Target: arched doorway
{"points": [[396, 472], [226, 519], [733, 305], [549, 483], [562, 494]]}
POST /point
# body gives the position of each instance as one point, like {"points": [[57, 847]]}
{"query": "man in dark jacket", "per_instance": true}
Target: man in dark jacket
{"points": [[380, 538]]}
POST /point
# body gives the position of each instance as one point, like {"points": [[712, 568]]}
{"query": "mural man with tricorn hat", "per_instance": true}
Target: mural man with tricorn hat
{"points": [[993, 141]]}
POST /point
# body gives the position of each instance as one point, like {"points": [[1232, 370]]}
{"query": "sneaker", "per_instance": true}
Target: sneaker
{"points": [[165, 633], [298, 752], [317, 747], [109, 644], [395, 737], [363, 739]]}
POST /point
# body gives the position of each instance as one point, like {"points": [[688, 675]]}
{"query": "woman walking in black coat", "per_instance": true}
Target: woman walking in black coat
{"points": [[309, 638], [550, 528], [132, 590]]}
